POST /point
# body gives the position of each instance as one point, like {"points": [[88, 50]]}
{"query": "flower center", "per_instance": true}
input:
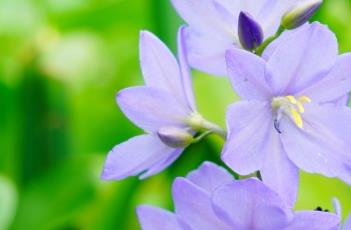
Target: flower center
{"points": [[289, 106]]}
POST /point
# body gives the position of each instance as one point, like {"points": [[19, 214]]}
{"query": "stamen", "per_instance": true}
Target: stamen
{"points": [[305, 99], [300, 107], [291, 99], [297, 117]]}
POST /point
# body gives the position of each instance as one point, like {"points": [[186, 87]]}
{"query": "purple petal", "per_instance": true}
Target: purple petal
{"points": [[152, 218], [249, 204], [334, 85], [347, 225], [301, 60], [246, 73], [185, 70], [209, 176], [250, 32], [314, 220], [151, 108], [135, 156], [278, 172], [205, 16], [248, 124], [193, 206], [159, 66], [207, 52], [323, 145]]}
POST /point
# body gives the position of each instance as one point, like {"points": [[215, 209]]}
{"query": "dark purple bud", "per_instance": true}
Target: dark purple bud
{"points": [[300, 14], [250, 32]]}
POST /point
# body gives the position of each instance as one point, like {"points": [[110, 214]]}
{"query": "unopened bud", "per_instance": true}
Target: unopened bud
{"points": [[250, 32], [175, 137], [300, 14]]}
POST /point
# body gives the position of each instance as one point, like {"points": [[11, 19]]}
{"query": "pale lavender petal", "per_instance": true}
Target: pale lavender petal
{"points": [[249, 204], [347, 225], [151, 108], [314, 220], [337, 207], [249, 124], [246, 73], [205, 16], [323, 144], [135, 156], [164, 163], [302, 60], [342, 101], [206, 52], [185, 70], [159, 66], [334, 85], [152, 218], [278, 172], [209, 176], [193, 206]]}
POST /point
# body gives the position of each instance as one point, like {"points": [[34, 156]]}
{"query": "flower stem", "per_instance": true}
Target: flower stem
{"points": [[198, 123], [268, 41]]}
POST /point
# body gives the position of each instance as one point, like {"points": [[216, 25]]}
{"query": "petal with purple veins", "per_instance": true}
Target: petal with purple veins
{"points": [[247, 74], [210, 176], [248, 124], [335, 84], [302, 60], [193, 206], [249, 204], [323, 144]]}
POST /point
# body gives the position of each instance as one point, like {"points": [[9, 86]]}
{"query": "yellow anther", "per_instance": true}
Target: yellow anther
{"points": [[291, 99], [296, 117], [305, 99], [300, 107]]}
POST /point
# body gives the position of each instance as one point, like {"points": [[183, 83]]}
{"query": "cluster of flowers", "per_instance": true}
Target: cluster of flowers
{"points": [[293, 115]]}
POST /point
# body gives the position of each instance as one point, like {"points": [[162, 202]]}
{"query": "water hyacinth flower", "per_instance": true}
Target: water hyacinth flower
{"points": [[290, 116], [208, 198], [215, 26], [164, 108]]}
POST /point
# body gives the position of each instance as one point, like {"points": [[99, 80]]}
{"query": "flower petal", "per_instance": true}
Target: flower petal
{"points": [[152, 218], [159, 66], [185, 70], [246, 73], [303, 59], [323, 144], [314, 220], [193, 206], [347, 224], [151, 108], [248, 124], [206, 16], [278, 172], [134, 156], [249, 204], [209, 176], [334, 85], [207, 52]]}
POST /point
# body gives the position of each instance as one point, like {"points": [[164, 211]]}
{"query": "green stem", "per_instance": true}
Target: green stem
{"points": [[268, 41]]}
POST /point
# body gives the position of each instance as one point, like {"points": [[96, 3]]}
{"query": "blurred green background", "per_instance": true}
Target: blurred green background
{"points": [[61, 64]]}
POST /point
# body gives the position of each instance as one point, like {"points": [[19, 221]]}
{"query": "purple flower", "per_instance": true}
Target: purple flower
{"points": [[337, 208], [161, 108], [208, 198], [289, 116], [213, 27]]}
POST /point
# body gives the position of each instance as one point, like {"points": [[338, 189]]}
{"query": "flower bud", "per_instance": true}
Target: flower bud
{"points": [[300, 14], [250, 32], [174, 137]]}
